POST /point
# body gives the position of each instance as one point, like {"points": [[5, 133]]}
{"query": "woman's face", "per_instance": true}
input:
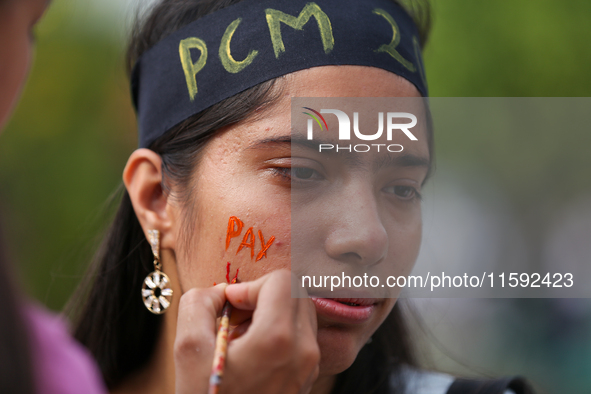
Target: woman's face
{"points": [[17, 20], [245, 174]]}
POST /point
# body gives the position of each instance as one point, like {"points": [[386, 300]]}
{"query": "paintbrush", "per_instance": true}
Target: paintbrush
{"points": [[221, 341], [221, 348]]}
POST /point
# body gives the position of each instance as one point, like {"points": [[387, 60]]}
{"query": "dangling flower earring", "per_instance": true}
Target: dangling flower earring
{"points": [[155, 291]]}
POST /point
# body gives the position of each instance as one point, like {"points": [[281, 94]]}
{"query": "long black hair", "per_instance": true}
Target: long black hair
{"points": [[109, 316]]}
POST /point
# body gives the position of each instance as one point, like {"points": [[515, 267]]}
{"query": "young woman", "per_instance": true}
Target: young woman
{"points": [[212, 83], [37, 355]]}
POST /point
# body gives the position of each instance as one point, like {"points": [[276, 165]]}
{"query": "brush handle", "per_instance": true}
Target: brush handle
{"points": [[221, 348]]}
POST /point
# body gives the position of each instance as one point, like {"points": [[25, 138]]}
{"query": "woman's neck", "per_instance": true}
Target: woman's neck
{"points": [[158, 377], [323, 385]]}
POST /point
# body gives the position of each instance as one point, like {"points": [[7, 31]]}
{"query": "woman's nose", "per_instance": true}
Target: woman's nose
{"points": [[358, 235]]}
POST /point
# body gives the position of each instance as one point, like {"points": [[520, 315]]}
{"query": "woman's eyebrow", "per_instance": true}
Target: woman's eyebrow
{"points": [[382, 161], [288, 139], [269, 142], [402, 160], [284, 140], [292, 139]]}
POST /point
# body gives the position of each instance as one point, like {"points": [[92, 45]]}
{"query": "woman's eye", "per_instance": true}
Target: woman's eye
{"points": [[404, 192], [295, 174], [302, 173]]}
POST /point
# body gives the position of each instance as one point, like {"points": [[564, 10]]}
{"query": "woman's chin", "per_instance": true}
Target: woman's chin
{"points": [[338, 348]]}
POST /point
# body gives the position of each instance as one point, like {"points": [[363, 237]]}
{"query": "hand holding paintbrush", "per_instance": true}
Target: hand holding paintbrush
{"points": [[276, 349]]}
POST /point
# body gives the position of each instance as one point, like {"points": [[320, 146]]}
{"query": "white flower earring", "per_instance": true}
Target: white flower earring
{"points": [[156, 291]]}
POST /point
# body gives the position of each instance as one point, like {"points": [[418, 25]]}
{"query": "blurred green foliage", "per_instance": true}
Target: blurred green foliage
{"points": [[62, 155], [509, 48]]}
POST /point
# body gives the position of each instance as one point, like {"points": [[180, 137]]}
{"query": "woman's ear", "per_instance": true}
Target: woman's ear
{"points": [[143, 179]]}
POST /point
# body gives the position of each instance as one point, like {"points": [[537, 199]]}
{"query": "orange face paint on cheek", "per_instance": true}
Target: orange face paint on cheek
{"points": [[265, 246], [246, 244], [235, 278], [235, 226], [234, 229]]}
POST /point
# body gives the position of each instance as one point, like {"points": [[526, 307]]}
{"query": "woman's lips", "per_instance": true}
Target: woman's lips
{"points": [[341, 310]]}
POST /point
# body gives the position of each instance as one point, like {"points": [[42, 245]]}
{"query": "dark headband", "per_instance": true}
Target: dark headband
{"points": [[240, 46]]}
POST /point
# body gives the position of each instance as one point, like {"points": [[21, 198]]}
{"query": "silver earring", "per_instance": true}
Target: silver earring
{"points": [[156, 292]]}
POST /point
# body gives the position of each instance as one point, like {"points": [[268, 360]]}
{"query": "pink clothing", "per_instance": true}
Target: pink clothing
{"points": [[62, 365]]}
